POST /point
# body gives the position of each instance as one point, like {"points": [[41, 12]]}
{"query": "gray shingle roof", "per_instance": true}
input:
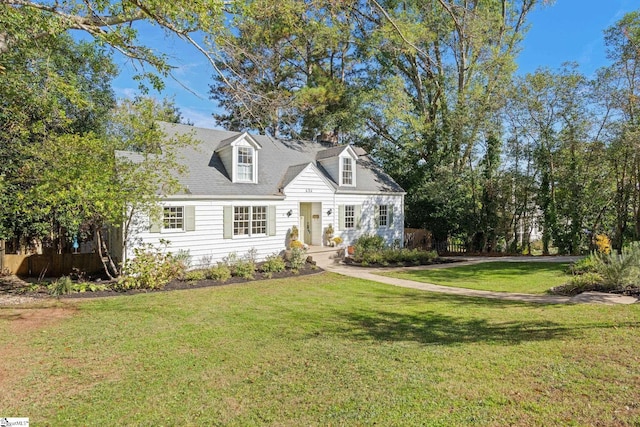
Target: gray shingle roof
{"points": [[330, 152], [279, 162]]}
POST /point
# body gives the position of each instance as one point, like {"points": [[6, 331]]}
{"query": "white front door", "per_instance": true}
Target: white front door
{"points": [[305, 223]]}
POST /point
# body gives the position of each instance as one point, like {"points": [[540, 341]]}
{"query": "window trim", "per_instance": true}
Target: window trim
{"points": [[381, 215], [249, 153], [351, 169], [251, 221], [349, 216], [164, 220]]}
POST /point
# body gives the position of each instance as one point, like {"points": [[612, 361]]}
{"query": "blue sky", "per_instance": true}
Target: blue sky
{"points": [[568, 30]]}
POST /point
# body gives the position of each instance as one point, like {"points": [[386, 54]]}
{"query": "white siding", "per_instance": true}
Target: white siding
{"points": [[309, 187], [368, 225], [207, 238]]}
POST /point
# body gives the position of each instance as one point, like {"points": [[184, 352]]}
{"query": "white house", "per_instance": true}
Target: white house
{"points": [[246, 192]]}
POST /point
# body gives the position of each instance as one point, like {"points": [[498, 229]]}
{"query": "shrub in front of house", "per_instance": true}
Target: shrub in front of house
{"points": [[273, 264], [245, 269], [221, 272], [195, 275], [62, 286], [297, 259], [152, 267], [370, 250], [367, 244]]}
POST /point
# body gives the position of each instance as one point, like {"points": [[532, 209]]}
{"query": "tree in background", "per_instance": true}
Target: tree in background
{"points": [[60, 129], [621, 82], [57, 88], [85, 187], [24, 23], [284, 67], [438, 71], [552, 113]]}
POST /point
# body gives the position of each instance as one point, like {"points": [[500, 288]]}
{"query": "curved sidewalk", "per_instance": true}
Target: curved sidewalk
{"points": [[326, 260]]}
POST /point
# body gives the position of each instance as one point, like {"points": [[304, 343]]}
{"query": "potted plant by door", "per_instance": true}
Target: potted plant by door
{"points": [[294, 233], [328, 235]]}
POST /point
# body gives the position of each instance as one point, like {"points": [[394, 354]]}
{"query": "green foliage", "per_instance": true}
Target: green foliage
{"points": [[587, 264], [245, 269], [221, 272], [152, 268], [89, 287], [370, 249], [195, 275], [619, 270], [283, 69], [401, 256], [53, 93], [586, 282], [297, 259], [112, 25], [273, 264], [65, 285], [365, 245], [62, 286], [231, 260]]}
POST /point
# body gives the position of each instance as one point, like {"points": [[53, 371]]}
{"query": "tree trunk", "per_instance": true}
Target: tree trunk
{"points": [[110, 268]]}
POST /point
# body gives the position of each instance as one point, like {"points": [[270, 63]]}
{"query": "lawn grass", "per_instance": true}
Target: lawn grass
{"points": [[497, 276], [320, 350]]}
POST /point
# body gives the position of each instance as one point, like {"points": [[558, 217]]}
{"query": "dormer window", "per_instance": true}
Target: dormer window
{"points": [[340, 163], [347, 171], [239, 155], [245, 164]]}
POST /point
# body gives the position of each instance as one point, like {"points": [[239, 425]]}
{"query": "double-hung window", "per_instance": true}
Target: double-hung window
{"points": [[347, 171], [383, 215], [259, 220], [245, 164], [349, 216], [173, 218], [249, 220], [241, 220]]}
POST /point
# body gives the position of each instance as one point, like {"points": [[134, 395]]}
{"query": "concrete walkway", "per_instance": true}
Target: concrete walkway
{"points": [[328, 260]]}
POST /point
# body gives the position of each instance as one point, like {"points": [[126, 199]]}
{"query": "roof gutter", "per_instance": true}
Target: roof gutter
{"points": [[372, 193], [221, 197]]}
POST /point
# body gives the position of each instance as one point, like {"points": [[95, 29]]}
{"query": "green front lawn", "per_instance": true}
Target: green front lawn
{"points": [[497, 276], [319, 350]]}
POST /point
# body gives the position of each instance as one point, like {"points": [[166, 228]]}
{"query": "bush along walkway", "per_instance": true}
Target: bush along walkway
{"points": [[331, 262]]}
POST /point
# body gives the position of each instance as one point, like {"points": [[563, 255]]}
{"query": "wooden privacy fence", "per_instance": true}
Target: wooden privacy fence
{"points": [[417, 238], [51, 265]]}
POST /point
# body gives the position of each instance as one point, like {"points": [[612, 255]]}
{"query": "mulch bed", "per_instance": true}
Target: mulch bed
{"points": [[13, 286]]}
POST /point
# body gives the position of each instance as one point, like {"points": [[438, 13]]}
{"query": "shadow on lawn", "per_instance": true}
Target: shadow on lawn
{"points": [[435, 328]]}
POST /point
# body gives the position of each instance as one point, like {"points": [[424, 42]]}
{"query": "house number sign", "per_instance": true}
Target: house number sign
{"points": [[308, 190]]}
